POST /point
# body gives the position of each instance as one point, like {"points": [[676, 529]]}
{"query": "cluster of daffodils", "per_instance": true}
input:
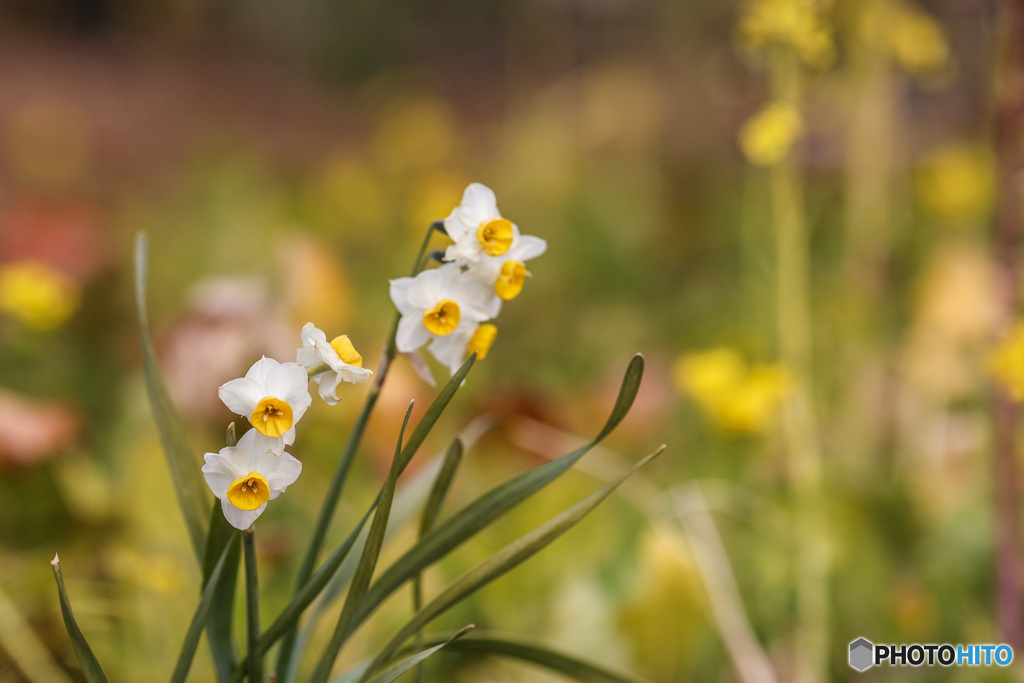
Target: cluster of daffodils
{"points": [[450, 307], [274, 396]]}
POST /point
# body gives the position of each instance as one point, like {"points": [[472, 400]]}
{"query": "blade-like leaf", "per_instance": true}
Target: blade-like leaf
{"points": [[367, 562], [392, 673], [222, 537], [195, 629], [501, 562], [90, 665], [494, 503], [286, 625], [186, 475], [442, 484], [504, 645]]}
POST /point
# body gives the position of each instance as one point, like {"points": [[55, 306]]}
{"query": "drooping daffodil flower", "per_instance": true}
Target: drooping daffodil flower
{"points": [[478, 228], [273, 396], [246, 476], [434, 302], [340, 355], [468, 337]]}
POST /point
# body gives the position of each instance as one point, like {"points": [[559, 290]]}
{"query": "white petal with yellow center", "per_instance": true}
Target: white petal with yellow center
{"points": [[339, 354], [246, 477], [435, 302], [478, 228], [264, 397]]}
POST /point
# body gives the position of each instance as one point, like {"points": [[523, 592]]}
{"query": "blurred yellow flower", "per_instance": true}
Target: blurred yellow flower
{"points": [[957, 182], [734, 397], [915, 39], [767, 137], [37, 294], [1007, 362], [797, 24]]}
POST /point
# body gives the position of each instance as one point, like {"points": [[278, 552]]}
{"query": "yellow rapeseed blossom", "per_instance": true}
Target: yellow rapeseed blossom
{"points": [[915, 39], [736, 398], [37, 294], [768, 136], [957, 182], [799, 25], [1007, 362]]}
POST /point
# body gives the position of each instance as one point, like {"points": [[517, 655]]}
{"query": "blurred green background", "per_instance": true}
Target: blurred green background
{"points": [[284, 160]]}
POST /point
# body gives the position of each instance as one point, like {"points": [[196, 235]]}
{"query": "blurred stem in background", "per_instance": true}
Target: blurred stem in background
{"points": [[1009, 117], [800, 423]]}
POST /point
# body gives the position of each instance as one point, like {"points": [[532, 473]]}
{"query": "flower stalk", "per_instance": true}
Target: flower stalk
{"points": [[252, 607]]}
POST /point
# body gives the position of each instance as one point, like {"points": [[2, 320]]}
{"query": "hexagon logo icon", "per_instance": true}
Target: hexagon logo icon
{"points": [[862, 654]]}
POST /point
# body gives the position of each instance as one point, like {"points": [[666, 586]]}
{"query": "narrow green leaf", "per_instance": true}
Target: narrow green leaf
{"points": [[392, 673], [501, 562], [504, 645], [439, 491], [311, 584], [90, 665], [186, 476], [195, 629], [222, 537], [442, 484], [494, 503], [367, 562]]}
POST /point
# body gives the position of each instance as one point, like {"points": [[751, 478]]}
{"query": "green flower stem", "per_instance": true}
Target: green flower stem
{"points": [[284, 659], [252, 606], [800, 422]]}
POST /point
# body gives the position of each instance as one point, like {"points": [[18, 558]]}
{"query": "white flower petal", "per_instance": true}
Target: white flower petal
{"points": [[454, 226], [529, 247], [478, 204], [281, 471], [328, 387], [311, 335], [238, 518], [223, 468], [309, 357], [289, 382], [241, 395], [260, 369], [400, 294], [353, 374], [273, 444], [411, 333]]}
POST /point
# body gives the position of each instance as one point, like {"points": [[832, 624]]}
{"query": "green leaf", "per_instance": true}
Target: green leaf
{"points": [[195, 629], [501, 562], [439, 491], [367, 562], [442, 484], [90, 666], [286, 622], [222, 537], [494, 503], [577, 668], [186, 476], [404, 665]]}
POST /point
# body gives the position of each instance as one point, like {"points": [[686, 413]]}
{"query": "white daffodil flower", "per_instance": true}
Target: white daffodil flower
{"points": [[245, 477], [477, 227], [468, 337], [273, 396], [506, 274], [345, 363], [434, 302]]}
